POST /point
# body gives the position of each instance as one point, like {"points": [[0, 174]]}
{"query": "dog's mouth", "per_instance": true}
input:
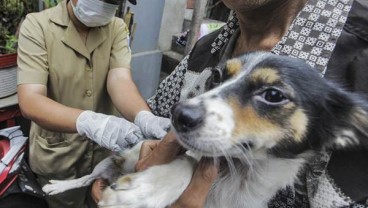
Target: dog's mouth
{"points": [[213, 146], [189, 145], [201, 146]]}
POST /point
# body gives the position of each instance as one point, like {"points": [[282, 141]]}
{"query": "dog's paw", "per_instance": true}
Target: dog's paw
{"points": [[156, 187], [56, 187]]}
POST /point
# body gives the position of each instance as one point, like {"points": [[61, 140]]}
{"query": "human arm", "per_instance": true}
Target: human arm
{"points": [[128, 100], [98, 186], [51, 115], [196, 193], [123, 91], [47, 113], [158, 152]]}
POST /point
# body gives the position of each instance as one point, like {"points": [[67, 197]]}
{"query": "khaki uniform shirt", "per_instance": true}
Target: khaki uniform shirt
{"points": [[52, 53]]}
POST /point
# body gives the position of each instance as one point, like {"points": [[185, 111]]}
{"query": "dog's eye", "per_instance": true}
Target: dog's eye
{"points": [[273, 96]]}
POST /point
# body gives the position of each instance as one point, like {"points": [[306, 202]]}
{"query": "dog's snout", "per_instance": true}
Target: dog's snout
{"points": [[187, 117]]}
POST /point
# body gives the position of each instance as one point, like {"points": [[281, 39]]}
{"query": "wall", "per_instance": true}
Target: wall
{"points": [[146, 60], [172, 22]]}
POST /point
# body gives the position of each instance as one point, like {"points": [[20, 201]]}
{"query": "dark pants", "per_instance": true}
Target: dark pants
{"points": [[20, 200]]}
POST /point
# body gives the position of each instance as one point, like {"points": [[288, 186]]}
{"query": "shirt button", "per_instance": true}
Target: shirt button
{"points": [[88, 69], [89, 93]]}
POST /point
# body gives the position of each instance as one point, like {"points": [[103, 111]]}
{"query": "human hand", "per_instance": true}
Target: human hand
{"points": [[98, 187], [151, 125], [158, 152], [196, 193], [108, 131]]}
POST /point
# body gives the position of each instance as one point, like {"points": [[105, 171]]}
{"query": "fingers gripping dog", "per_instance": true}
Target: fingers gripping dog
{"points": [[275, 114]]}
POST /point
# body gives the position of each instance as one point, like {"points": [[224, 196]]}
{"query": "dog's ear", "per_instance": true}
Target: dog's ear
{"points": [[233, 66], [118, 160], [355, 133], [359, 120]]}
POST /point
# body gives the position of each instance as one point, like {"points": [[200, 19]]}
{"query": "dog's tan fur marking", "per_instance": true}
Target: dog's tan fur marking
{"points": [[233, 66], [248, 122], [267, 75], [118, 161], [124, 181], [359, 119], [289, 105], [299, 124], [359, 115]]}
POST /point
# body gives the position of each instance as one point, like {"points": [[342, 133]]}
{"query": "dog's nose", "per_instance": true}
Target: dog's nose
{"points": [[113, 186], [187, 117]]}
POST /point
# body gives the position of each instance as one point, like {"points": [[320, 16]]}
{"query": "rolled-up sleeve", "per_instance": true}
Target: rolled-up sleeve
{"points": [[32, 53], [120, 56]]}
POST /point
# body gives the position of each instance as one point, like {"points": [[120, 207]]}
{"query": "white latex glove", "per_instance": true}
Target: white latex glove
{"points": [[110, 132], [151, 125]]}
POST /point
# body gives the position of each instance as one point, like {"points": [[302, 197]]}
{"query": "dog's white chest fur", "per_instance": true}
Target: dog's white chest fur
{"points": [[256, 188]]}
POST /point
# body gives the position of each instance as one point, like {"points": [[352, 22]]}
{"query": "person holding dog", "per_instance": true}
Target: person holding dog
{"points": [[74, 81], [322, 33]]}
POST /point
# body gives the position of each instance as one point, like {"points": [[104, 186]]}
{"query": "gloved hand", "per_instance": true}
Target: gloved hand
{"points": [[110, 132], [151, 125]]}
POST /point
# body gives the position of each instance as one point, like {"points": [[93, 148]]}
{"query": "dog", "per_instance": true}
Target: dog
{"points": [[275, 114]]}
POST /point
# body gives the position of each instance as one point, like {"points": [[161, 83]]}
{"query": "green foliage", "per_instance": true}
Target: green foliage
{"points": [[11, 44], [50, 3], [12, 13]]}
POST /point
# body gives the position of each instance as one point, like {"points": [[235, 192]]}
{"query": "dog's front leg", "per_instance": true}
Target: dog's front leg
{"points": [[110, 168], [156, 187]]}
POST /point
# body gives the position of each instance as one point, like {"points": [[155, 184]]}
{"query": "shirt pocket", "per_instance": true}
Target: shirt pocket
{"points": [[48, 155], [53, 140]]}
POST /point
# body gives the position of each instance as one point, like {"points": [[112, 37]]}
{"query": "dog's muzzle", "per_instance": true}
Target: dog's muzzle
{"points": [[186, 117]]}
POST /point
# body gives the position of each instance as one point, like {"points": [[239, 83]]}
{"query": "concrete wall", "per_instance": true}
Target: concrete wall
{"points": [[147, 16], [172, 22], [146, 60], [146, 68]]}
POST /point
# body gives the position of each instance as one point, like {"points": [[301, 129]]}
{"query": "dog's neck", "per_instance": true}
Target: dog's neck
{"points": [[255, 186]]}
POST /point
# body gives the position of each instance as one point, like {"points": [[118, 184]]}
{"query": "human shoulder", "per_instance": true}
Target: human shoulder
{"points": [[200, 56], [118, 23], [33, 24], [117, 27], [39, 19]]}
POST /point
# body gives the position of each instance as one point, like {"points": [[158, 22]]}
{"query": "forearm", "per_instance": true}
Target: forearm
{"points": [[46, 112], [124, 93], [163, 152], [170, 147]]}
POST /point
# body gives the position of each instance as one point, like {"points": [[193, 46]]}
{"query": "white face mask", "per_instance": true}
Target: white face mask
{"points": [[94, 13]]}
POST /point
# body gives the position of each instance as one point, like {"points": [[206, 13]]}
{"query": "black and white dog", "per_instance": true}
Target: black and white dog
{"points": [[266, 123]]}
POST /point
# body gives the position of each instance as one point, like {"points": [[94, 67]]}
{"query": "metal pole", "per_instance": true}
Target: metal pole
{"points": [[197, 18], [40, 5]]}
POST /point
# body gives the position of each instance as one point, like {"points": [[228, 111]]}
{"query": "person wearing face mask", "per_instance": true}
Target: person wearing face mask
{"points": [[74, 81]]}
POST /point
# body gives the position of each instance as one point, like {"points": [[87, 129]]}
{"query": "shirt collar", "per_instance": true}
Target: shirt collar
{"points": [[60, 15]]}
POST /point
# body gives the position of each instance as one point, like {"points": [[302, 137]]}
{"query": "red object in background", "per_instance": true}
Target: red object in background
{"points": [[8, 60], [12, 147], [7, 177], [8, 115], [190, 4]]}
